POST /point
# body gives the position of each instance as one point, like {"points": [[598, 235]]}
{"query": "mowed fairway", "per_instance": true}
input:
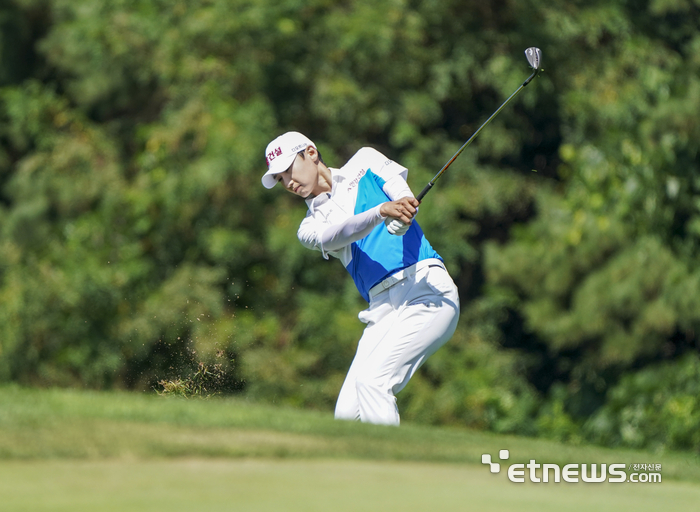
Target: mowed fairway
{"points": [[77, 451], [303, 485]]}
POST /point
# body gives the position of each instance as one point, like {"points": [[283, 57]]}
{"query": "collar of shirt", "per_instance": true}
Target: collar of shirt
{"points": [[315, 202]]}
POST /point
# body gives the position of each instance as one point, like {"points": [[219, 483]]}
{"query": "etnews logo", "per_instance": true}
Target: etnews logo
{"points": [[573, 473]]}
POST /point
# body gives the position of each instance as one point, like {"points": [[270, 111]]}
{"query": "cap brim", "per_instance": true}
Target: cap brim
{"points": [[277, 166]]}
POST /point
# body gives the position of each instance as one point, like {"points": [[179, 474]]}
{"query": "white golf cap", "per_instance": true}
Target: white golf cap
{"points": [[280, 154]]}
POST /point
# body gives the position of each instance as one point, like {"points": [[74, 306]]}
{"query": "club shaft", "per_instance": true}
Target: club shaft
{"points": [[449, 162]]}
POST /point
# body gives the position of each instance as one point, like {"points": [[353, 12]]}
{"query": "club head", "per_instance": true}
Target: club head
{"points": [[534, 57]]}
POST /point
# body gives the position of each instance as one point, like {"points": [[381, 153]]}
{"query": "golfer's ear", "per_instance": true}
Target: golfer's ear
{"points": [[312, 153]]}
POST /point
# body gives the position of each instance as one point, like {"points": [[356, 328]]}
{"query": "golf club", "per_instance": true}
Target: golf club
{"points": [[534, 58]]}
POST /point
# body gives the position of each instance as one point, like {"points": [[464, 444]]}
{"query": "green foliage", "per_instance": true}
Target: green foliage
{"points": [[136, 241], [469, 381], [606, 272], [657, 407]]}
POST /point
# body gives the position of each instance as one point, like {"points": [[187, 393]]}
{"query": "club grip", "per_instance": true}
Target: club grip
{"points": [[424, 191]]}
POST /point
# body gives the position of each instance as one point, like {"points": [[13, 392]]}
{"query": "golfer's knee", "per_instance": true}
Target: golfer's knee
{"points": [[347, 413], [347, 408], [369, 385], [377, 402]]}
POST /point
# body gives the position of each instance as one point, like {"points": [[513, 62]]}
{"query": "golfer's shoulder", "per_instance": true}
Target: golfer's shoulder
{"points": [[366, 157], [369, 159]]}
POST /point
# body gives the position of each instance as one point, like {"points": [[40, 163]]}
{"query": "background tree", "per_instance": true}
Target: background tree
{"points": [[137, 242]]}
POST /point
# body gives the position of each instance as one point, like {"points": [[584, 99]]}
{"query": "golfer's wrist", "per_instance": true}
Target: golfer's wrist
{"points": [[383, 210]]}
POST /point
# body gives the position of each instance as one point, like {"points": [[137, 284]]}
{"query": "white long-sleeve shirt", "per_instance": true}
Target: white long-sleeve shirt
{"points": [[346, 223]]}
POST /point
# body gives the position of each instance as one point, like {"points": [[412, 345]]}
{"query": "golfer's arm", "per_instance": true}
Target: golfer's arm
{"points": [[337, 236], [397, 188]]}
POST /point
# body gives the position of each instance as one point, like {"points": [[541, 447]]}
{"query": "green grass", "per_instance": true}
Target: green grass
{"points": [[261, 485], [77, 450]]}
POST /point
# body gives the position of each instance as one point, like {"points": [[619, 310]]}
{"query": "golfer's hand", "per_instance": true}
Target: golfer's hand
{"points": [[399, 215], [403, 210], [396, 227]]}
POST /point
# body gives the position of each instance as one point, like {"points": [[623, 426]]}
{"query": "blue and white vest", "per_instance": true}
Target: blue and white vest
{"points": [[360, 185]]}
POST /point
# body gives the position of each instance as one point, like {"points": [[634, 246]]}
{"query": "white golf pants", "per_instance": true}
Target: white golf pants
{"points": [[406, 323]]}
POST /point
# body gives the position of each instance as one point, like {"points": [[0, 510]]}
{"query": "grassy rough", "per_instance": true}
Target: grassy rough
{"points": [[72, 424]]}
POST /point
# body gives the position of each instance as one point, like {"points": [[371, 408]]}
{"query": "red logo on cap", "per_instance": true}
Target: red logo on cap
{"points": [[272, 155]]}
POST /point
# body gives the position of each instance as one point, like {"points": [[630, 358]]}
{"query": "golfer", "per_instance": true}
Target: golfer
{"points": [[363, 214]]}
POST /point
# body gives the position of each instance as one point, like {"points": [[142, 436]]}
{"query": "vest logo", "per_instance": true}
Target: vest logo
{"points": [[354, 182]]}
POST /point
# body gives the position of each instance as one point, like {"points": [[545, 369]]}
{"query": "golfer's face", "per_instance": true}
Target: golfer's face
{"points": [[301, 178]]}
